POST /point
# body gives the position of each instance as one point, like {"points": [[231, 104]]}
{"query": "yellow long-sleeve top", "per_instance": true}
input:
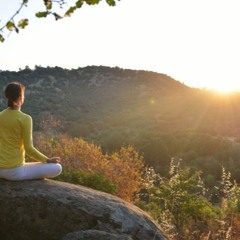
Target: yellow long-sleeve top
{"points": [[16, 139]]}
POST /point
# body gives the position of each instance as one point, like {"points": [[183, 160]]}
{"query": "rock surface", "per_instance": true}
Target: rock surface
{"points": [[95, 235], [52, 210]]}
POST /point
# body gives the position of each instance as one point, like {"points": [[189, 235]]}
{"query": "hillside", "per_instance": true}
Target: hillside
{"points": [[95, 99], [113, 107]]}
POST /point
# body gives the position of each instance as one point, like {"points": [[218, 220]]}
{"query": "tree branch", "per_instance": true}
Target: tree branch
{"points": [[10, 24], [14, 15]]}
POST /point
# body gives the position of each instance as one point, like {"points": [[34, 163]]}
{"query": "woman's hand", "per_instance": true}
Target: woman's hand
{"points": [[54, 160]]}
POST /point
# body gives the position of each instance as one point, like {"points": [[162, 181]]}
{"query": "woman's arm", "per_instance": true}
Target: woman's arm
{"points": [[28, 142]]}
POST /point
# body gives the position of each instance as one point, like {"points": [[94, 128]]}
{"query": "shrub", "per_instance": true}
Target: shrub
{"points": [[93, 180], [178, 202], [123, 168]]}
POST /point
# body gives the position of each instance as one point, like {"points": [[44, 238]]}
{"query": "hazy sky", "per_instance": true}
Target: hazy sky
{"points": [[196, 42]]}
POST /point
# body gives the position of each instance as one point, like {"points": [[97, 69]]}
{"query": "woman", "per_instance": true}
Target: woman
{"points": [[16, 140]]}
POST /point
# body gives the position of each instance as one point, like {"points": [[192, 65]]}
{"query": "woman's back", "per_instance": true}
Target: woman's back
{"points": [[11, 138]]}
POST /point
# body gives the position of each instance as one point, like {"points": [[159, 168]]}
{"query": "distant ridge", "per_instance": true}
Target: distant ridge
{"points": [[61, 89], [113, 107], [117, 97]]}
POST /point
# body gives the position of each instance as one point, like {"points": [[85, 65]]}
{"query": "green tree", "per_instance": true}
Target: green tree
{"points": [[48, 10]]}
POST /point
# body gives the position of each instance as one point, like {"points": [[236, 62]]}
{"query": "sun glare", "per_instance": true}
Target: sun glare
{"points": [[226, 89]]}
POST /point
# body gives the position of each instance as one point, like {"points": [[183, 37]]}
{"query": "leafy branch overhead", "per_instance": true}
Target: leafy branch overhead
{"points": [[12, 25]]}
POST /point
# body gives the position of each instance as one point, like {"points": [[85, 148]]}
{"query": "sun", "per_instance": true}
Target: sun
{"points": [[226, 88]]}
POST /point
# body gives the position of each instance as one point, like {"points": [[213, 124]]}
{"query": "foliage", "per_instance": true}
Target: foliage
{"points": [[93, 180], [119, 172], [50, 6], [181, 202], [181, 206], [180, 198]]}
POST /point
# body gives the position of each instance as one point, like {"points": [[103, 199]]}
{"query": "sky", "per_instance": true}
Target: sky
{"points": [[196, 42]]}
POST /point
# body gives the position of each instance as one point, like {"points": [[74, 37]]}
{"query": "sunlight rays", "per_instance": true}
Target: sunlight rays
{"points": [[226, 88]]}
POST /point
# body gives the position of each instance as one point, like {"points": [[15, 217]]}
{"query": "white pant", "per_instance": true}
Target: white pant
{"points": [[30, 171]]}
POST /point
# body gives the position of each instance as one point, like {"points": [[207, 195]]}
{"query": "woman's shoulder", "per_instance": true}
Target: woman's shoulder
{"points": [[25, 115], [2, 111]]}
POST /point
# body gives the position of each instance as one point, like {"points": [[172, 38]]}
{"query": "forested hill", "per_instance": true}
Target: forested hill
{"points": [[93, 99], [114, 107]]}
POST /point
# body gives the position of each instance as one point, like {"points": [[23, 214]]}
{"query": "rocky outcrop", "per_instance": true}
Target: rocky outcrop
{"points": [[52, 210], [95, 235]]}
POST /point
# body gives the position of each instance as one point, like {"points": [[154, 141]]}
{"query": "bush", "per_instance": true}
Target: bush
{"points": [[178, 202], [93, 180], [123, 168]]}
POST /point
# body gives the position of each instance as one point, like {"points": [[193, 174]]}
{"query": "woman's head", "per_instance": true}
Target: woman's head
{"points": [[14, 92]]}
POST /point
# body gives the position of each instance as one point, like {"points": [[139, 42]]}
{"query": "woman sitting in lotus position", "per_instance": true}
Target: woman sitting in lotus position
{"points": [[16, 140]]}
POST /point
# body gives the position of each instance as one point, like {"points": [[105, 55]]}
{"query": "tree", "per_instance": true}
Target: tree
{"points": [[12, 25]]}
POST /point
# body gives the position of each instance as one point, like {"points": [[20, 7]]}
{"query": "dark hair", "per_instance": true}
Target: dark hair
{"points": [[14, 92]]}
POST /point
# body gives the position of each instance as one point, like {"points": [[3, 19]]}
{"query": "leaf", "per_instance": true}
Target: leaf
{"points": [[111, 2], [10, 26], [23, 23], [1, 38], [70, 11], [48, 4], [79, 3], [25, 1], [41, 14], [92, 2]]}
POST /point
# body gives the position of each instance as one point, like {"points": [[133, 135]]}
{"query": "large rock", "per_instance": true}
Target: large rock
{"points": [[95, 235], [52, 210]]}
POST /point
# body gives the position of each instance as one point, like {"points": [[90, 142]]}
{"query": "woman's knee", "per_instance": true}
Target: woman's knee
{"points": [[56, 168], [59, 168]]}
